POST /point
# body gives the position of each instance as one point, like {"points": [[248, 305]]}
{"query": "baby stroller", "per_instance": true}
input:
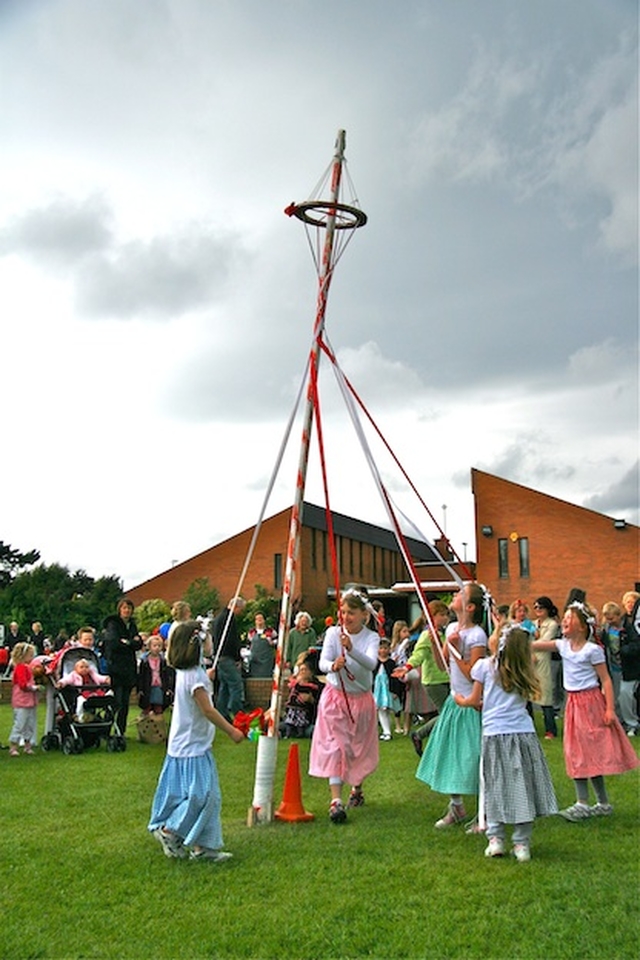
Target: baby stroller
{"points": [[67, 731]]}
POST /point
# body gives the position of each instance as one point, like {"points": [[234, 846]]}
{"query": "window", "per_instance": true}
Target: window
{"points": [[360, 561], [277, 571], [523, 554], [503, 558], [375, 564], [351, 566], [324, 549], [314, 549]]}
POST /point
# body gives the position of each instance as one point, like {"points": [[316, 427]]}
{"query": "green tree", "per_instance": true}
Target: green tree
{"points": [[58, 598], [202, 597], [264, 603], [151, 613], [12, 561]]}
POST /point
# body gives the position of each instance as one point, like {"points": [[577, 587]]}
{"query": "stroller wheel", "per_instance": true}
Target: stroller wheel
{"points": [[49, 742], [122, 744], [112, 744], [68, 745]]}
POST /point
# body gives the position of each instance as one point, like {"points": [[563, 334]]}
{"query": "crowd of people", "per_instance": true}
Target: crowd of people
{"points": [[462, 683]]}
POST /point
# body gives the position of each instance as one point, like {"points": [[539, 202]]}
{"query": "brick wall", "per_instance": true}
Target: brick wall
{"points": [[569, 546]]}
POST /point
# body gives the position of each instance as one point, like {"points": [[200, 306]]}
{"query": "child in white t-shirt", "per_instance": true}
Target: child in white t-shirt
{"points": [[517, 785], [186, 806]]}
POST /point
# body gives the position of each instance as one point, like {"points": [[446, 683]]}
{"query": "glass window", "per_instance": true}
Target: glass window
{"points": [[503, 558], [523, 553], [277, 570]]}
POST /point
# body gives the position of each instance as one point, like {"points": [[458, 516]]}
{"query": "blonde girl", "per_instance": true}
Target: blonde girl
{"points": [[24, 699], [344, 748], [516, 780], [594, 742]]}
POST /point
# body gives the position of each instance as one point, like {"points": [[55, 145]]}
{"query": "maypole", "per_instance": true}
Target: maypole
{"points": [[329, 215]]}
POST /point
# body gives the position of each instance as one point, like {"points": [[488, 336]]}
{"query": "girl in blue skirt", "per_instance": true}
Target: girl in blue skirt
{"points": [[186, 806], [451, 762]]}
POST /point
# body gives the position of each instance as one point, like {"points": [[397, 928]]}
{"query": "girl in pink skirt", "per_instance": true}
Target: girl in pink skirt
{"points": [[595, 744], [345, 739]]}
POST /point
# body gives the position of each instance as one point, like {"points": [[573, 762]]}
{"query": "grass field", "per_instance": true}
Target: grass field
{"points": [[81, 878]]}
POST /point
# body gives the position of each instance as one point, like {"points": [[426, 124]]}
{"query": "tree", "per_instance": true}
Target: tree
{"points": [[151, 613], [202, 597], [12, 561], [264, 603], [58, 598]]}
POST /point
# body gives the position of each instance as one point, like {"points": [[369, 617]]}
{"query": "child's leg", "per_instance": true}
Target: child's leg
{"points": [[582, 790], [385, 721], [600, 790], [549, 715], [522, 833], [522, 841]]}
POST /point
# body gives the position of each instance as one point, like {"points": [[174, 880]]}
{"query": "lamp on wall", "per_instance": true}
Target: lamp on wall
{"points": [[620, 524], [487, 530]]}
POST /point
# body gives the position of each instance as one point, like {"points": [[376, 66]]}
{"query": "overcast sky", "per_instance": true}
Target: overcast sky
{"points": [[157, 305]]}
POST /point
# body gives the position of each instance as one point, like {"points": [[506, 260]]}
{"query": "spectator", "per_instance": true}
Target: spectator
{"points": [[121, 643], [226, 640]]}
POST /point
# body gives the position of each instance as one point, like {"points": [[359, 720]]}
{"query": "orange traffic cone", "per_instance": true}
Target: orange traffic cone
{"points": [[291, 808]]}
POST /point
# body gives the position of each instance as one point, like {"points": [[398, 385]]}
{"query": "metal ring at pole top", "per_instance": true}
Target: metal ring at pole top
{"points": [[318, 212]]}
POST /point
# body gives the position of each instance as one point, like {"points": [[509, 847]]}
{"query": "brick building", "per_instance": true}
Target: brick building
{"points": [[530, 544], [366, 554]]}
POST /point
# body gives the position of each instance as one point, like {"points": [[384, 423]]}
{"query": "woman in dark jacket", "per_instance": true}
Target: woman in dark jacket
{"points": [[121, 641]]}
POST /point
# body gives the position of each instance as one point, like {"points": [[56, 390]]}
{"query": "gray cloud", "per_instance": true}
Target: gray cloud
{"points": [[59, 233], [621, 499], [158, 279]]}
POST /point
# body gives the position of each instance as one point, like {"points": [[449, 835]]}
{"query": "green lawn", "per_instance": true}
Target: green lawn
{"points": [[81, 878]]}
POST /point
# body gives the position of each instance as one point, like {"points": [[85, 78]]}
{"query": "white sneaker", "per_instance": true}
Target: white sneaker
{"points": [[601, 810], [171, 844], [521, 852], [204, 853], [577, 812], [495, 848]]}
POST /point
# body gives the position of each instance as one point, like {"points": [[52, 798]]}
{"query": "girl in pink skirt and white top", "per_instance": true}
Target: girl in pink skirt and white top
{"points": [[595, 744], [345, 742]]}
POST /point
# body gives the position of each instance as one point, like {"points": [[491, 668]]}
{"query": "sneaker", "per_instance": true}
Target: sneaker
{"points": [[14, 752], [521, 852], [474, 827], [385, 736], [170, 843], [601, 810], [632, 732], [579, 811], [417, 743], [337, 813], [495, 847], [356, 798], [28, 749], [549, 736], [455, 814], [204, 853]]}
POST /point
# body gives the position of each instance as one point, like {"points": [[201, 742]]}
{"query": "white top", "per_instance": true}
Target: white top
{"points": [[470, 637], [578, 666], [361, 660], [191, 734], [502, 712]]}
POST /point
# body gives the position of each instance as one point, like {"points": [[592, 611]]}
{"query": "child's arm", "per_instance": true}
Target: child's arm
{"points": [[473, 700], [203, 700], [550, 645], [607, 689]]}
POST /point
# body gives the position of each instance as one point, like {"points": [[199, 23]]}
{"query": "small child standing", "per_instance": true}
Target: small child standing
{"points": [[516, 779], [594, 741], [386, 689], [24, 699], [302, 703], [156, 679], [186, 806]]}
